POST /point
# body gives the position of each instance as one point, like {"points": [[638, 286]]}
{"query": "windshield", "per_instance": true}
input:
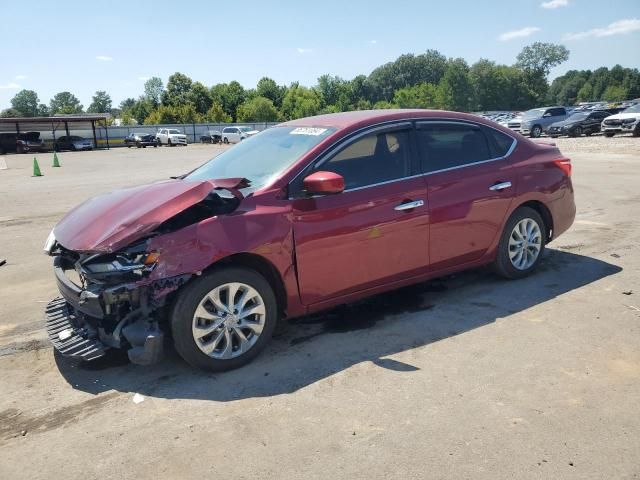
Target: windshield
{"points": [[578, 116], [75, 139], [633, 109], [245, 129], [263, 156], [535, 113], [174, 131]]}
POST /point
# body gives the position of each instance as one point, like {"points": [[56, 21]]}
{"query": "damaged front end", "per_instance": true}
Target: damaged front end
{"points": [[113, 299], [108, 301]]}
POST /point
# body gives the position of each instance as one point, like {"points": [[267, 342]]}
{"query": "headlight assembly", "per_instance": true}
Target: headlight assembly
{"points": [[49, 243]]}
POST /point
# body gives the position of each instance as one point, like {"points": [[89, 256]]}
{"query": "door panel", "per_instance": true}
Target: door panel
{"points": [[360, 238], [357, 239], [462, 162], [465, 215]]}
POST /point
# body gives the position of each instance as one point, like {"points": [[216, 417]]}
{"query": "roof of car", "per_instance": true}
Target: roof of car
{"points": [[368, 117]]}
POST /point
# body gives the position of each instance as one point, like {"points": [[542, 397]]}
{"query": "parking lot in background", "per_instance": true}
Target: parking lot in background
{"points": [[466, 376]]}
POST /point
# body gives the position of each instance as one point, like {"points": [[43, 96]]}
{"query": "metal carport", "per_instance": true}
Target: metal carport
{"points": [[55, 123]]}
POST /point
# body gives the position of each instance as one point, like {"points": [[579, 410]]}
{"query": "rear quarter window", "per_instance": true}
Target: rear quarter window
{"points": [[501, 143]]}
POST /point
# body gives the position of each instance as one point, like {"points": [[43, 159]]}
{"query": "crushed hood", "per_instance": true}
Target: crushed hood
{"points": [[108, 222]]}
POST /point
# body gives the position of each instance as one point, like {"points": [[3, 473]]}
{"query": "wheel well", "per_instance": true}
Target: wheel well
{"points": [[544, 212], [264, 267]]}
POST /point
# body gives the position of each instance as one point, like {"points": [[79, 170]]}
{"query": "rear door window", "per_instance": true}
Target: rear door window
{"points": [[445, 146]]}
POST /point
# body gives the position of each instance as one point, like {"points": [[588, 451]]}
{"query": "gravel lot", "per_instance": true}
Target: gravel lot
{"points": [[468, 376]]}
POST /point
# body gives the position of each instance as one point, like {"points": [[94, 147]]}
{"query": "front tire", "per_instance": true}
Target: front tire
{"points": [[536, 131], [608, 134], [223, 320], [521, 245]]}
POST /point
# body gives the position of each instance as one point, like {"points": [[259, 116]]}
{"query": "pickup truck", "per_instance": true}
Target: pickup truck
{"points": [[536, 121], [171, 137]]}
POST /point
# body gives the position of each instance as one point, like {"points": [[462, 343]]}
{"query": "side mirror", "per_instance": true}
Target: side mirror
{"points": [[323, 183]]}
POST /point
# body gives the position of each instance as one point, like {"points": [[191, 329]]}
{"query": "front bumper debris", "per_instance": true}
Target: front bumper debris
{"points": [[68, 334]]}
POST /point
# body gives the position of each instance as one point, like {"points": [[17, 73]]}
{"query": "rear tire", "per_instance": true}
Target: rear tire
{"points": [[185, 322], [516, 238]]}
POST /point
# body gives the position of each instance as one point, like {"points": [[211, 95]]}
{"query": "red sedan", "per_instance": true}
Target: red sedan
{"points": [[299, 218]]}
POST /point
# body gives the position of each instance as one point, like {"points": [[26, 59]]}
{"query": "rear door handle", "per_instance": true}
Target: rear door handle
{"points": [[409, 205], [500, 186]]}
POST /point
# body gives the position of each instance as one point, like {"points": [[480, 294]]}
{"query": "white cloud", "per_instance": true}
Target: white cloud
{"points": [[104, 58], [620, 27], [551, 4], [143, 79], [21, 77], [523, 32], [302, 51], [10, 86]]}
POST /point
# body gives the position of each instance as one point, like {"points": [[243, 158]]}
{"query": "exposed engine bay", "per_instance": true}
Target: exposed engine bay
{"points": [[111, 300]]}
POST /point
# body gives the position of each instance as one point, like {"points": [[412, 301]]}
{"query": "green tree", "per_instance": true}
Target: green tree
{"points": [[66, 103], [141, 109], [417, 96], [301, 102], [406, 71], [384, 105], [43, 110], [153, 89], [101, 103], [536, 61], [614, 93], [454, 90], [127, 104], [268, 88], [230, 95], [585, 94], [174, 114], [331, 88], [217, 114], [258, 109], [199, 97], [178, 90], [9, 113], [541, 57], [25, 103]]}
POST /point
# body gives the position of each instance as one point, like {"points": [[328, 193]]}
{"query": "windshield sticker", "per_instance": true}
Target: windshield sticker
{"points": [[308, 131]]}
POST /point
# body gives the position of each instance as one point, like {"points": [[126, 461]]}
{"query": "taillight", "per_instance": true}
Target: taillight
{"points": [[564, 164]]}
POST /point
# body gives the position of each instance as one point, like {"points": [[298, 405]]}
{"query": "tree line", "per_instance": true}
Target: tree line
{"points": [[428, 80]]}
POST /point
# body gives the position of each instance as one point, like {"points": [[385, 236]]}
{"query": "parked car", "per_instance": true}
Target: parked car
{"points": [[21, 143], [587, 122], [73, 142], [514, 123], [171, 137], [212, 136], [623, 122], [236, 134], [140, 140], [304, 216], [536, 121]]}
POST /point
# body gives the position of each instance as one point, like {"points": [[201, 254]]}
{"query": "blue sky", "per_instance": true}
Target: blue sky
{"points": [[115, 45]]}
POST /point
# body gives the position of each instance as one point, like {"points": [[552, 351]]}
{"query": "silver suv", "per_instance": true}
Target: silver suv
{"points": [[536, 121]]}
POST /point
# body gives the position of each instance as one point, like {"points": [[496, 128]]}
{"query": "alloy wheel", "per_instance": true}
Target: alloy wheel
{"points": [[525, 243], [228, 320]]}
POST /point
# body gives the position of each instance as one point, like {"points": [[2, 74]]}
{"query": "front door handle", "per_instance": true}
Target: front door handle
{"points": [[500, 186], [409, 205]]}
